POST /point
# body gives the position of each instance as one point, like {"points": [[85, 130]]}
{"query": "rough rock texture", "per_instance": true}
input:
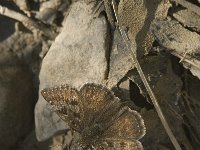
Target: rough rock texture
{"points": [[188, 19], [186, 41], [182, 43], [152, 139], [137, 16], [17, 95], [77, 56], [167, 88]]}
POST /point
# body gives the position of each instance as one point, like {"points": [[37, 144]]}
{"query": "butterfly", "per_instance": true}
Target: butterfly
{"points": [[99, 119]]}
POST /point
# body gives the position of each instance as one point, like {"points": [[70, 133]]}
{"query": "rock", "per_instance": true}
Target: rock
{"points": [[180, 42], [152, 138], [167, 86], [134, 76], [120, 60], [188, 19], [17, 95], [172, 35], [159, 74], [122, 91], [137, 16], [78, 56]]}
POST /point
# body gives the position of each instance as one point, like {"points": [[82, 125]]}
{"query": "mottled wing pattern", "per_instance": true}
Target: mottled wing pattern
{"points": [[96, 107], [123, 133], [113, 144], [96, 99], [129, 125], [67, 103]]}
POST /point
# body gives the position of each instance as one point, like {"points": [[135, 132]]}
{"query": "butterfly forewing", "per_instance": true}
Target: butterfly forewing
{"points": [[67, 103], [96, 100]]}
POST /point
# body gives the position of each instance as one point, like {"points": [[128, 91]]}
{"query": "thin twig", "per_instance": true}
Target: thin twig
{"points": [[188, 5], [194, 62], [26, 21], [146, 84]]}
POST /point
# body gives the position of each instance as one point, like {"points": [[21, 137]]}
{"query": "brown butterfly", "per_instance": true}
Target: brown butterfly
{"points": [[100, 120]]}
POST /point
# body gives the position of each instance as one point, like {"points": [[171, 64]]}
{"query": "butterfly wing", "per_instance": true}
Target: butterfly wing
{"points": [[97, 99], [96, 105], [123, 133], [67, 103], [128, 125], [114, 144]]}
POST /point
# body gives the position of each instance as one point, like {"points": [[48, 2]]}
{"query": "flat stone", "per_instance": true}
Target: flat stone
{"points": [[78, 56]]}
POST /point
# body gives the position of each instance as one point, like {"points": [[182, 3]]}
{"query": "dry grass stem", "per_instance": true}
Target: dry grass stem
{"points": [[146, 84]]}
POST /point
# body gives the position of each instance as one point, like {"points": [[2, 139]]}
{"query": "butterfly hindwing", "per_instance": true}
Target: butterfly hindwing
{"points": [[116, 144], [67, 103], [128, 125]]}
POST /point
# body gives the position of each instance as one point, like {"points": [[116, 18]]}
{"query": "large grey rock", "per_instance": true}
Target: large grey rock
{"points": [[78, 56], [17, 94]]}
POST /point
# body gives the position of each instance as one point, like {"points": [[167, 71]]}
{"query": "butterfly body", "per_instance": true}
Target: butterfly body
{"points": [[97, 116]]}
